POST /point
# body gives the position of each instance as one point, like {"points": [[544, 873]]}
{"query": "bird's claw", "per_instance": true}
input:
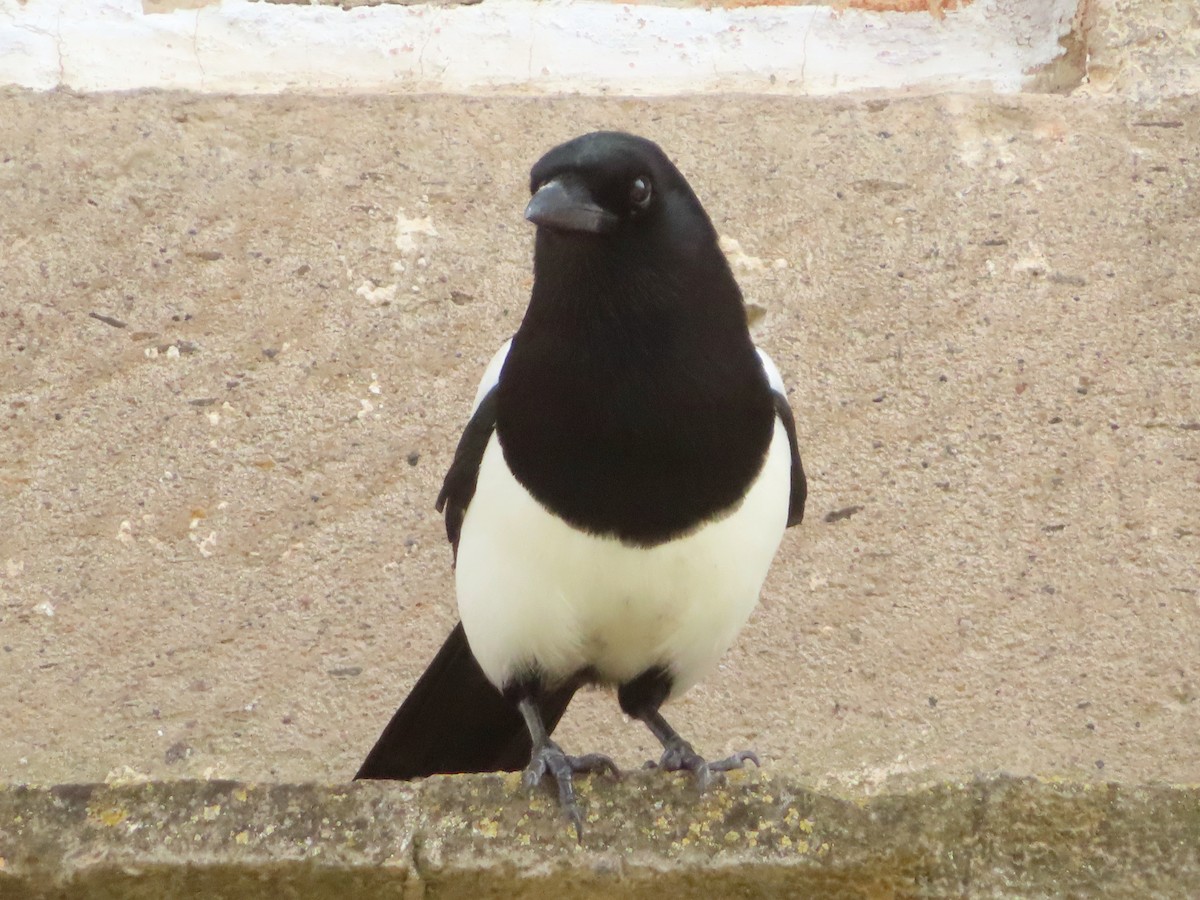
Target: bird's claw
{"points": [[550, 759], [681, 756]]}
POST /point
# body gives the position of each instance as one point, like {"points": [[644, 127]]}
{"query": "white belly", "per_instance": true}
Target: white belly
{"points": [[532, 590]]}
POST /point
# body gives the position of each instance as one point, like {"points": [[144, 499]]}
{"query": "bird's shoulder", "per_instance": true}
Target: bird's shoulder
{"points": [[491, 375], [783, 411], [458, 487], [774, 378]]}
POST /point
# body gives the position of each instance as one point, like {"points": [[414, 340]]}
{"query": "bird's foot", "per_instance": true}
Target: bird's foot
{"points": [[679, 756], [549, 758]]}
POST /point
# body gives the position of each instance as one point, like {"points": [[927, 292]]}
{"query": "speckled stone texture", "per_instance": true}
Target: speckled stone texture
{"points": [[240, 337], [648, 837]]}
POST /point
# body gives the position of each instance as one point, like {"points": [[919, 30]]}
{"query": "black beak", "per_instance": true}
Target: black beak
{"points": [[566, 205]]}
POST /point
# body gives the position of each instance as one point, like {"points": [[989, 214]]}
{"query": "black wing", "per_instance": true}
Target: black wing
{"points": [[799, 483], [459, 486]]}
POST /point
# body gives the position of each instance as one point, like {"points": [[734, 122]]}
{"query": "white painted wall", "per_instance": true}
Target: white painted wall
{"points": [[523, 46]]}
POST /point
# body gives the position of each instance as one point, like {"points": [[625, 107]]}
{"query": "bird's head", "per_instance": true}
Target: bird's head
{"points": [[611, 184], [622, 242]]}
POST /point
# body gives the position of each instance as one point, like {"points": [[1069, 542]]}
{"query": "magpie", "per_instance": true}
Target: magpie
{"points": [[618, 494]]}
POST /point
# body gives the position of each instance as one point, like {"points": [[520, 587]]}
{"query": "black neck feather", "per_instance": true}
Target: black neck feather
{"points": [[632, 402]]}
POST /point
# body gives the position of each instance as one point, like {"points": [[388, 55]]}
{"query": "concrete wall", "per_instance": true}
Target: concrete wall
{"points": [[240, 335]]}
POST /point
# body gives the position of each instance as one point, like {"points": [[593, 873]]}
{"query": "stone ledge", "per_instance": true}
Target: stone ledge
{"points": [[647, 836]]}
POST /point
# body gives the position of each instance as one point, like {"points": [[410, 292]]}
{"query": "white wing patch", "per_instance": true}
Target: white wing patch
{"points": [[772, 370], [491, 375]]}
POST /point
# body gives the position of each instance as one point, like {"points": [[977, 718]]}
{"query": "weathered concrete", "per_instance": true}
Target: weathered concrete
{"points": [[235, 360], [219, 551], [1143, 49], [650, 836]]}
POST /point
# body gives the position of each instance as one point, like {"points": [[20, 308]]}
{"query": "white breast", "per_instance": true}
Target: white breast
{"points": [[532, 590]]}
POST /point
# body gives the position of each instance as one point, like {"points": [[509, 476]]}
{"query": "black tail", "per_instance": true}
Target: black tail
{"points": [[455, 720]]}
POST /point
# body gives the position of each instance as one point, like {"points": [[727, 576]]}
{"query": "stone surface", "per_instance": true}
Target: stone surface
{"points": [[240, 337], [1142, 48], [205, 839], [646, 837]]}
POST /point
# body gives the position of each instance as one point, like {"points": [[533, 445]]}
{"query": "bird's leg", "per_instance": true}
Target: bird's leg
{"points": [[641, 697], [548, 757], [678, 753]]}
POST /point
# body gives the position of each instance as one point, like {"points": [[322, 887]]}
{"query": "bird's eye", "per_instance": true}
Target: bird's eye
{"points": [[639, 193]]}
